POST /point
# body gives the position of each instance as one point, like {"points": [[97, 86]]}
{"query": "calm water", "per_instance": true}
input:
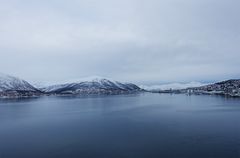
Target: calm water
{"points": [[131, 126]]}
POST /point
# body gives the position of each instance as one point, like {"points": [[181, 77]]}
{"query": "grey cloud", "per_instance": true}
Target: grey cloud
{"points": [[148, 41]]}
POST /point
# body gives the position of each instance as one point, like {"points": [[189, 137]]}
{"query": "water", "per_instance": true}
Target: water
{"points": [[126, 126]]}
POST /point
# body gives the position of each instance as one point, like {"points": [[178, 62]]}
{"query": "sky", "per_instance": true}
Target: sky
{"points": [[141, 41]]}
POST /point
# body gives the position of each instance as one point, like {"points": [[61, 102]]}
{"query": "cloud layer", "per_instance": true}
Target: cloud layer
{"points": [[147, 41]]}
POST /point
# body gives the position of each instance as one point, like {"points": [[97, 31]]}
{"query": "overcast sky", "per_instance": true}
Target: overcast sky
{"points": [[142, 41]]}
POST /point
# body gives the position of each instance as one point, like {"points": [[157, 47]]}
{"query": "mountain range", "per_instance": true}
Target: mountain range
{"points": [[11, 87], [14, 87], [228, 87], [95, 86]]}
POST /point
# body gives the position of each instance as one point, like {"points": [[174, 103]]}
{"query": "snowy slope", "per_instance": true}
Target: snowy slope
{"points": [[173, 86], [10, 83], [92, 86], [228, 87]]}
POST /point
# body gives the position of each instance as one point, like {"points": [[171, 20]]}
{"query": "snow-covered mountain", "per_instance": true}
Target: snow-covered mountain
{"points": [[13, 86], [228, 87], [92, 86], [10, 83]]}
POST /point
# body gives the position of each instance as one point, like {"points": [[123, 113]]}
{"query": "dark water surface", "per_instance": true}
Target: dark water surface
{"points": [[130, 126]]}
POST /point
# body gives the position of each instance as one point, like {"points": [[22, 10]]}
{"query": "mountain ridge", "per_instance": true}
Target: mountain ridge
{"points": [[15, 87], [229, 87], [95, 86]]}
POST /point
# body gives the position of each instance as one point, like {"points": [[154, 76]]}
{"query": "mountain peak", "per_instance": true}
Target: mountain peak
{"points": [[13, 86], [89, 79], [92, 85]]}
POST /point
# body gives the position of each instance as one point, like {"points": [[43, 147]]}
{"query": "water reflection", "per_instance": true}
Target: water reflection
{"points": [[142, 125]]}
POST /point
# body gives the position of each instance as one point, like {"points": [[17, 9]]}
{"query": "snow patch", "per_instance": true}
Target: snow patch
{"points": [[173, 86]]}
